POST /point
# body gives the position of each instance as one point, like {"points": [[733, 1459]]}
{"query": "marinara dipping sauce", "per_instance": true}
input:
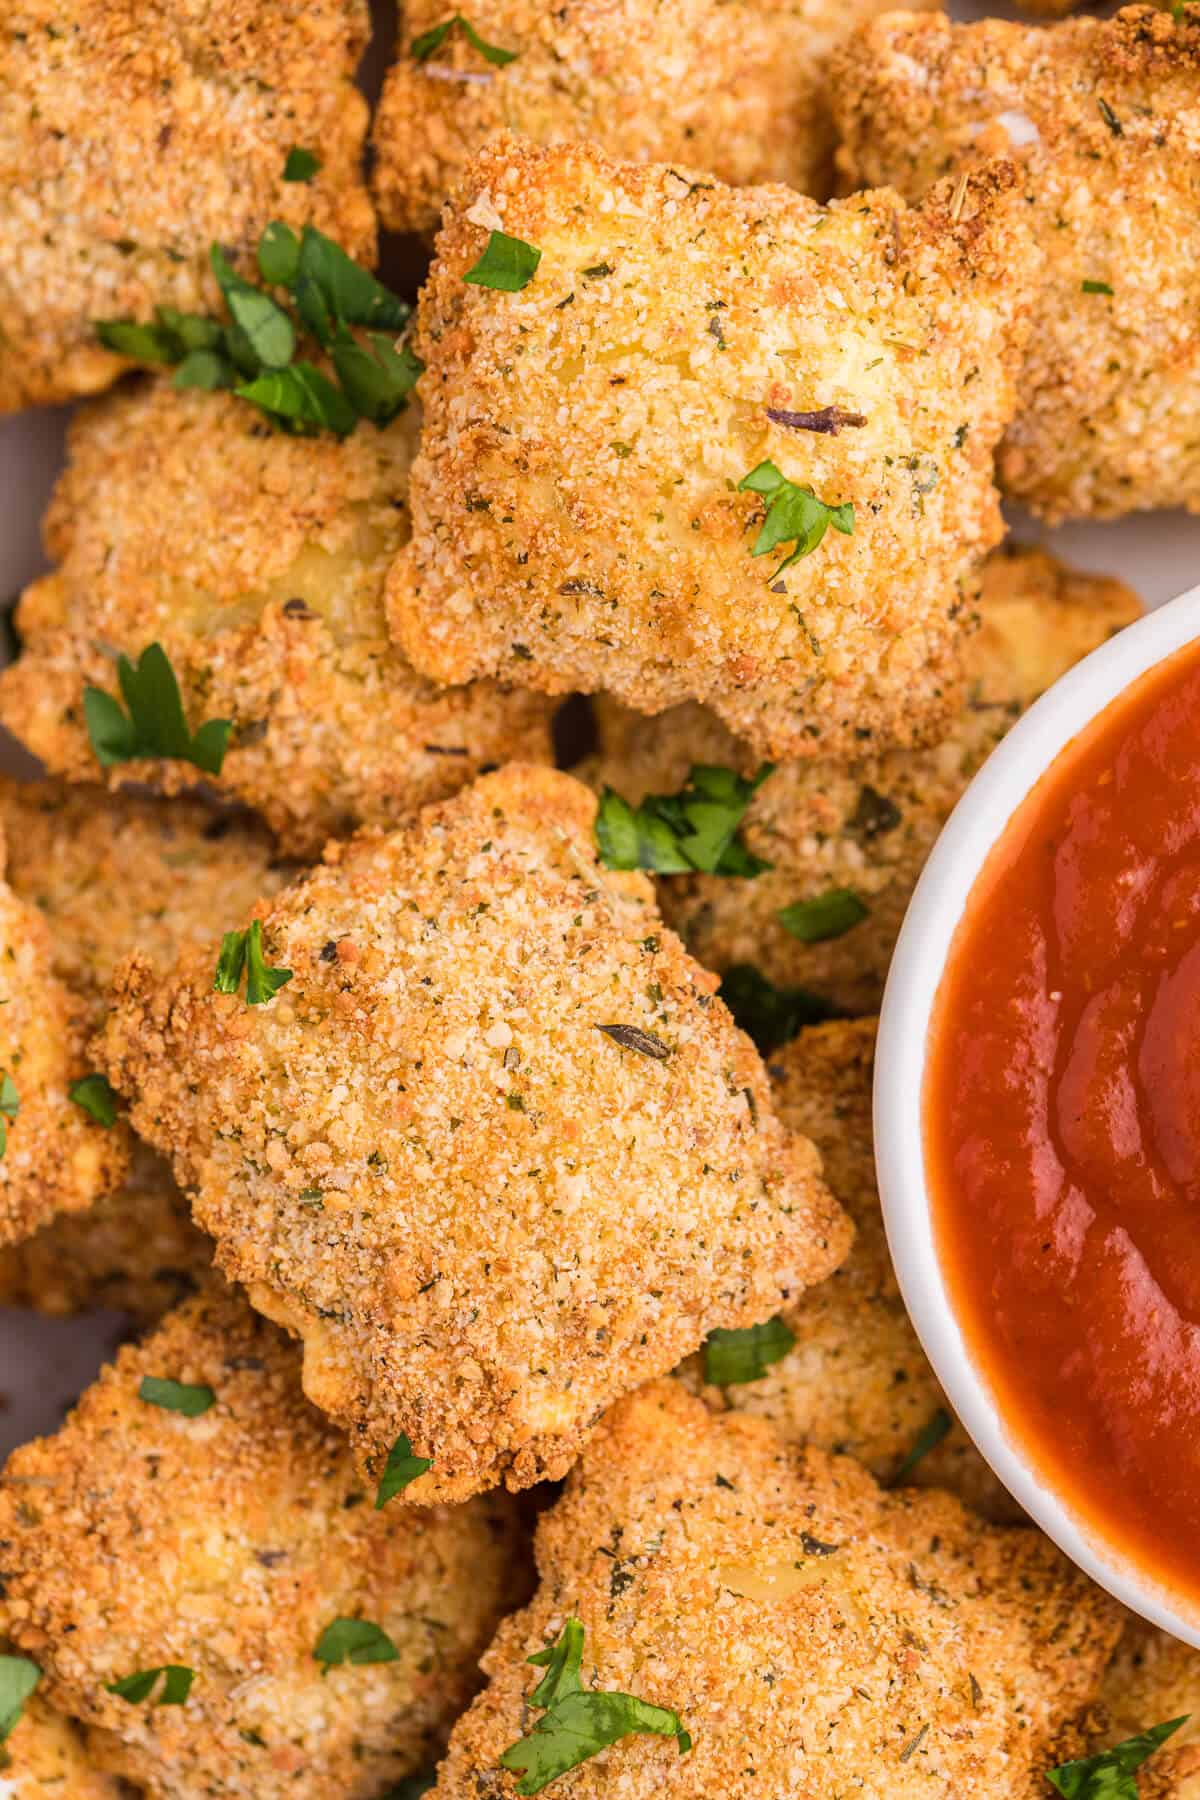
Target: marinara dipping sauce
{"points": [[1062, 1124]]}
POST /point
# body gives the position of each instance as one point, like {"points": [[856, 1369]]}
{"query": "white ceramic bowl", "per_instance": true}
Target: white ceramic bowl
{"points": [[933, 916]]}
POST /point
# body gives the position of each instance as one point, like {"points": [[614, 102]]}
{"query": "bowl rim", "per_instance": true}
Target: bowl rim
{"points": [[993, 796]]}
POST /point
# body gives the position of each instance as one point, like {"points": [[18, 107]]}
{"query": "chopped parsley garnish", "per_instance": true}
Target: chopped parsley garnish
{"points": [[353, 1641], [10, 1106], [243, 950], [18, 1678], [266, 330], [425, 46], [579, 1722], [138, 1687], [1110, 1775], [674, 834], [190, 1399], [96, 1097], [507, 263], [794, 515], [631, 1037], [301, 165], [402, 1466], [828, 915], [770, 1015], [731, 1357], [155, 726], [1096, 287], [927, 1439]]}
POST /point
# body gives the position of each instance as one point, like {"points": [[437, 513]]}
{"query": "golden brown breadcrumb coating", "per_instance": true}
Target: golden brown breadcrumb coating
{"points": [[258, 561], [495, 1154], [46, 1758], [815, 1635], [227, 1543], [575, 515], [867, 824], [733, 86], [1102, 117], [1152, 1678], [136, 133]]}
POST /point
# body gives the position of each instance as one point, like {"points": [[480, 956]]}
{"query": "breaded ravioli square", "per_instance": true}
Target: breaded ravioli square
{"points": [[134, 134], [734, 86], [495, 1152], [46, 1758], [1153, 1678], [815, 1636], [227, 1541], [257, 560], [580, 511], [862, 826], [1102, 117]]}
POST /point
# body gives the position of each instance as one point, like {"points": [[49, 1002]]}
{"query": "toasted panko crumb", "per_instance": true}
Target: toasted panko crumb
{"points": [[137, 1537], [726, 85], [1152, 1678], [134, 134], [1102, 118], [866, 824], [815, 1635], [485, 1216], [575, 519], [46, 1758], [257, 559]]}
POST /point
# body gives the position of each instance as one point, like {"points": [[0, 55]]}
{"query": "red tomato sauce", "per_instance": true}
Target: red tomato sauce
{"points": [[1062, 1123]]}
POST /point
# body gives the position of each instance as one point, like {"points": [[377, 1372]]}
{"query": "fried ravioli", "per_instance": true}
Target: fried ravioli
{"points": [[577, 515], [258, 561], [46, 1758], [813, 1634], [1152, 1678], [136, 133], [227, 1544], [494, 1153], [1103, 118]]}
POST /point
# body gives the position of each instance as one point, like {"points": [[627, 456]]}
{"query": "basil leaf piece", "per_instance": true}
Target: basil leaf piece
{"points": [[733, 1357], [269, 332], [96, 1097], [828, 915], [423, 47], [279, 255], [352, 294], [794, 515], [402, 1467], [301, 398], [770, 1015], [243, 950], [377, 382], [507, 264], [176, 1396], [18, 1678], [301, 165], [155, 726], [1110, 1774], [579, 1722], [145, 343], [695, 829], [927, 1439], [353, 1641], [139, 1686]]}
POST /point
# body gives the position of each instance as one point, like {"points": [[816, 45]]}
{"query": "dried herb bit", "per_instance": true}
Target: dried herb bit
{"points": [[631, 1038], [176, 1396], [96, 1097], [732, 1357], [914, 1744], [155, 726], [176, 1686], [1110, 118], [401, 1468], [927, 1439], [18, 1678], [673, 834], [244, 950], [794, 515], [874, 815], [770, 1015], [353, 1641], [828, 915], [301, 165], [579, 1722], [10, 1106], [423, 47], [507, 263], [1097, 287], [1111, 1774], [831, 419]]}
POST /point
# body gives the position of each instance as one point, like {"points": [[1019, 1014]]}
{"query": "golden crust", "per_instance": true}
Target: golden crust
{"points": [[1153, 1678], [817, 823], [46, 1758], [136, 133], [575, 519], [258, 561], [736, 88], [137, 1537], [1110, 392], [485, 1217], [925, 1653]]}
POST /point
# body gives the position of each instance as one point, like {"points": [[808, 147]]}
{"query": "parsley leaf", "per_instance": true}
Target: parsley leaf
{"points": [[402, 1466], [507, 263], [269, 332], [155, 726], [927, 1439], [770, 1015], [206, 369], [1097, 287], [376, 381], [279, 255], [353, 1641], [138, 1687], [176, 1396], [731, 1357], [10, 1106], [301, 396], [1110, 1774], [145, 343], [96, 1097], [579, 1722], [794, 515], [18, 1678], [351, 293], [674, 834], [301, 165], [423, 47], [244, 950], [828, 915]]}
